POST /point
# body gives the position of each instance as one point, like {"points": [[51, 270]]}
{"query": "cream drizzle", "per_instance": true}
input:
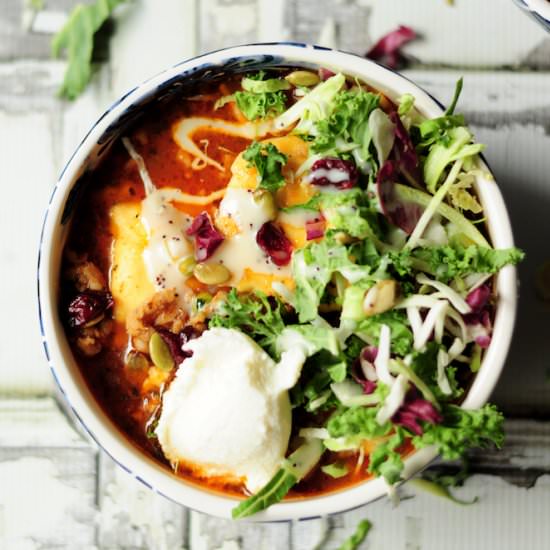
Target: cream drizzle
{"points": [[242, 250], [167, 247], [183, 131]]}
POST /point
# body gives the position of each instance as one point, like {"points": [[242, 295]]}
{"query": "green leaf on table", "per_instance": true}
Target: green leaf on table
{"points": [[440, 490], [77, 39], [358, 537]]}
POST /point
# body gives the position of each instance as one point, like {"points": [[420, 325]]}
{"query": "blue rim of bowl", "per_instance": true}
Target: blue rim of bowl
{"points": [[112, 106], [534, 14]]}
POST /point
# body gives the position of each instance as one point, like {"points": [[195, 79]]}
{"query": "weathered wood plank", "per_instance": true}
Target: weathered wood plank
{"points": [[131, 516], [47, 476], [505, 518], [467, 34], [209, 533]]}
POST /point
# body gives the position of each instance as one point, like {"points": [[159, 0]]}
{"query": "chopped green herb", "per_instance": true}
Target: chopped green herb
{"points": [[268, 161]]}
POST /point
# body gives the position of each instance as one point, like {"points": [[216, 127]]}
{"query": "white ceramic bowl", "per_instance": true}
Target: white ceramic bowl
{"points": [[89, 153], [539, 10]]}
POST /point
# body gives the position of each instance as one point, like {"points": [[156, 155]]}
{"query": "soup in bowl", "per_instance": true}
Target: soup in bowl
{"points": [[277, 280]]}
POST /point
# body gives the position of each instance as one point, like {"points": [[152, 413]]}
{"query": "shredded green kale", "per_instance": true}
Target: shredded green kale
{"points": [[255, 83], [268, 160], [461, 430], [256, 104], [448, 262], [348, 122], [401, 335], [312, 269], [360, 421], [254, 314], [386, 459], [77, 38], [424, 364]]}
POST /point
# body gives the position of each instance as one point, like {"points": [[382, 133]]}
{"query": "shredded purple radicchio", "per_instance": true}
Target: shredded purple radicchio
{"points": [[412, 412], [207, 238], [87, 306], [368, 354], [334, 171], [404, 153], [387, 49], [479, 320], [404, 215], [325, 74]]}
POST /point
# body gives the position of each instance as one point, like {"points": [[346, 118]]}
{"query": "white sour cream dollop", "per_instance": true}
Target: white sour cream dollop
{"points": [[227, 411]]}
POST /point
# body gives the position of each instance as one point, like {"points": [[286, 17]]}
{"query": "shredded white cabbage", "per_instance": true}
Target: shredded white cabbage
{"points": [[437, 312], [350, 394], [368, 369], [454, 297], [382, 130], [314, 433], [383, 357], [442, 380], [148, 184], [394, 400], [415, 320], [433, 205]]}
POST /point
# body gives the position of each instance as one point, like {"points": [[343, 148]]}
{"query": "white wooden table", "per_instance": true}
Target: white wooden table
{"points": [[57, 490]]}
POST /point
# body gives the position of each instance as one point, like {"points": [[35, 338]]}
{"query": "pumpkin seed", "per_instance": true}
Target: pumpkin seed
{"points": [[264, 199], [302, 78], [211, 274], [160, 353], [202, 299], [381, 297], [186, 266], [137, 361]]}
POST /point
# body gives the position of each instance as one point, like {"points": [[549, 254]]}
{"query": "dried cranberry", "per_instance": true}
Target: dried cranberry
{"points": [[175, 342], [334, 171], [87, 306], [272, 240], [207, 238], [414, 411], [404, 215]]}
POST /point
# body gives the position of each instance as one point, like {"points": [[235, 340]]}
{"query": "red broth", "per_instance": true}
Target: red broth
{"points": [[123, 392]]}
